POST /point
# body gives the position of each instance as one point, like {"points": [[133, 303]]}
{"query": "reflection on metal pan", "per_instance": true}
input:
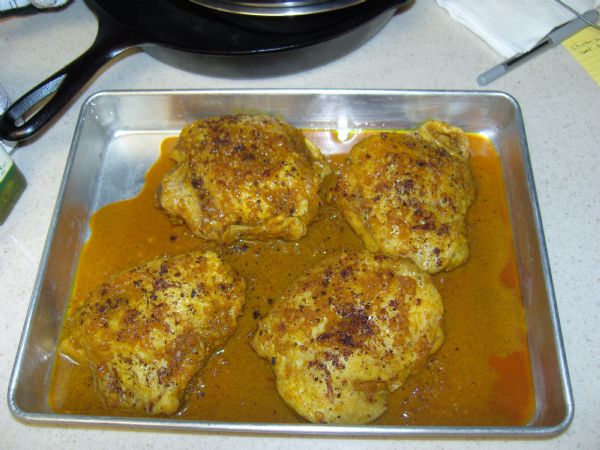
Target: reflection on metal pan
{"points": [[278, 7]]}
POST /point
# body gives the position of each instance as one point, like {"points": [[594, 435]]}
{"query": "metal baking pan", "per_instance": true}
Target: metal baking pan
{"points": [[118, 137]]}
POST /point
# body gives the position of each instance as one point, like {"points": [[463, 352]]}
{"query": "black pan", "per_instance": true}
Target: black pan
{"points": [[192, 37]]}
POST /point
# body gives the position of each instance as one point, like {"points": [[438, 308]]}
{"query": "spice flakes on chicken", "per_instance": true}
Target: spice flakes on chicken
{"points": [[347, 333], [147, 331], [407, 194], [244, 176]]}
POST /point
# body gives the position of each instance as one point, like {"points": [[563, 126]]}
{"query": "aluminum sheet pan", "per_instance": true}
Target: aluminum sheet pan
{"points": [[118, 137]]}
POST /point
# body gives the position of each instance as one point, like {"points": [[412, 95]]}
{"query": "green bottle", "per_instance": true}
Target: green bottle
{"points": [[12, 184], [12, 181]]}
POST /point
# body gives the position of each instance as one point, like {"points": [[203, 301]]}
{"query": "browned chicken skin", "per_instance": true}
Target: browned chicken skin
{"points": [[348, 332], [408, 194], [147, 331], [250, 176]]}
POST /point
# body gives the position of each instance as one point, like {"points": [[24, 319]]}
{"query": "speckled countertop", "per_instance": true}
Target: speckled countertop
{"points": [[423, 48]]}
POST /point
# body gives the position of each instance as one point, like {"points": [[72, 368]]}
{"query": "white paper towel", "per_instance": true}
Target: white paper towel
{"points": [[511, 27], [6, 5]]}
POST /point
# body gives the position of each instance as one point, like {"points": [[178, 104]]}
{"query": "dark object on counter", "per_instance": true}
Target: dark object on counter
{"points": [[192, 37]]}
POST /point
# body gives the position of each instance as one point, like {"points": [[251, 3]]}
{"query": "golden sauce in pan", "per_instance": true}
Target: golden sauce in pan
{"points": [[480, 376]]}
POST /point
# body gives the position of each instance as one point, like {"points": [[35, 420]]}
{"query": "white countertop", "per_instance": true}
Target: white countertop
{"points": [[423, 48]]}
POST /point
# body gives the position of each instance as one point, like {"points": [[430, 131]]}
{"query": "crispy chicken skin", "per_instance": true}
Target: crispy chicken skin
{"points": [[348, 332], [250, 176], [146, 332], [408, 194]]}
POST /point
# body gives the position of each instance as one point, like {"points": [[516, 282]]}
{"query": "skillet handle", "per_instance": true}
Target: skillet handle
{"points": [[30, 113]]}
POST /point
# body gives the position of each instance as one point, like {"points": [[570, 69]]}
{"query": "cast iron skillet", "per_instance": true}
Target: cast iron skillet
{"points": [[191, 37]]}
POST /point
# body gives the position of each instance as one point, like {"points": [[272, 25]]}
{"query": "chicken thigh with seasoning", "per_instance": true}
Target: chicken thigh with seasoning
{"points": [[407, 194], [249, 176], [146, 332], [348, 332]]}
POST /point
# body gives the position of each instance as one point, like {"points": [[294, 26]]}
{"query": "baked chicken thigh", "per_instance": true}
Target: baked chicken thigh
{"points": [[250, 176], [408, 194], [348, 332], [146, 332]]}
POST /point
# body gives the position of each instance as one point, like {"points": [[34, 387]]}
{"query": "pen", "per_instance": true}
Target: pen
{"points": [[553, 38]]}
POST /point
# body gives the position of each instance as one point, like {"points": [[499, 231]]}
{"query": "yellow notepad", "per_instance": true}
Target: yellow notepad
{"points": [[585, 48]]}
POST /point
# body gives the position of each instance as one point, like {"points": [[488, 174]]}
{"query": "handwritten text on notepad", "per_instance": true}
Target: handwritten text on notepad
{"points": [[585, 48]]}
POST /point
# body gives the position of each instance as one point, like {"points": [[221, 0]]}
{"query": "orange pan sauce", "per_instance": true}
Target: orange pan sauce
{"points": [[480, 376]]}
